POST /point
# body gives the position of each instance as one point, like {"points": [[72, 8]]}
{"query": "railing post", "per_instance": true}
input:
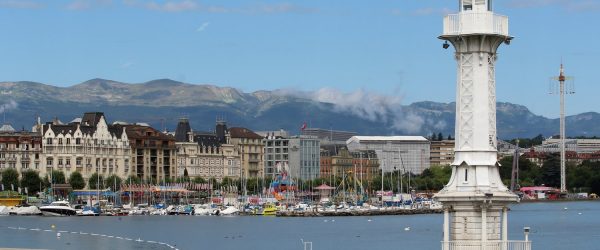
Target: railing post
{"points": [[446, 228], [505, 228]]}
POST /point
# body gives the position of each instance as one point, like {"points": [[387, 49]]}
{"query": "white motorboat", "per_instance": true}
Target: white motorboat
{"points": [[230, 210], [58, 208]]}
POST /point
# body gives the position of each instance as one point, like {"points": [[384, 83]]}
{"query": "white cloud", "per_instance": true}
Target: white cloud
{"points": [[569, 5], [126, 65], [20, 4], [191, 5], [164, 6], [202, 27], [10, 105], [79, 5], [371, 106]]}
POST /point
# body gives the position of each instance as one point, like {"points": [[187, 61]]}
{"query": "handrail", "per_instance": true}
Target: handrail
{"points": [[475, 23]]}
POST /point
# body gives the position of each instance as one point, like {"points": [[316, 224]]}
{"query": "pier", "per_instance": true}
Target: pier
{"points": [[389, 211]]}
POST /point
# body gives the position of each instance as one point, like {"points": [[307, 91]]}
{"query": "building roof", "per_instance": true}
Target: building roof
{"points": [[183, 130], [209, 140], [7, 128], [91, 118], [358, 139], [143, 132], [239, 132]]}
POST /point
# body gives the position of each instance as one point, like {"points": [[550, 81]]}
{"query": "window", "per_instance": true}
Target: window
{"points": [[78, 161], [68, 141], [466, 175], [60, 161], [78, 141], [59, 141], [467, 4], [49, 162], [68, 162], [49, 141]]}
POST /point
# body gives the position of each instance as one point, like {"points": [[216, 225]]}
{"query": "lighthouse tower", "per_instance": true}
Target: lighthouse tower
{"points": [[475, 200]]}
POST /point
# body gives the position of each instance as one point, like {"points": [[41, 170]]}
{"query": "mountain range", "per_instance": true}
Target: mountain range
{"points": [[162, 102]]}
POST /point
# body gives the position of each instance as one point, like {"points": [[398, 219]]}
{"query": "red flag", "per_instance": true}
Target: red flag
{"points": [[303, 126]]}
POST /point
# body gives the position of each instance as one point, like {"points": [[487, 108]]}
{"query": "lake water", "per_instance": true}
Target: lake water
{"points": [[552, 227]]}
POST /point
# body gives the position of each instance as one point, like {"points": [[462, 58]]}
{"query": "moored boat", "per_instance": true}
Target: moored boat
{"points": [[58, 208]]}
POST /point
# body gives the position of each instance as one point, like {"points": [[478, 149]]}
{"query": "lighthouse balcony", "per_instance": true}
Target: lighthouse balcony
{"points": [[474, 23], [487, 245]]}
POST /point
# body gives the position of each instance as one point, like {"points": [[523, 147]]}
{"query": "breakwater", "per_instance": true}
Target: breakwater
{"points": [[377, 212]]}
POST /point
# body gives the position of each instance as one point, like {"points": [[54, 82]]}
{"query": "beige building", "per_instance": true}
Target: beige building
{"points": [[206, 155], [20, 150], [86, 145], [251, 150], [153, 153], [442, 152]]}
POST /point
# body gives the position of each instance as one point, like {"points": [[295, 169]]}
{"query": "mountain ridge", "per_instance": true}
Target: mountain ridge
{"points": [[163, 101]]}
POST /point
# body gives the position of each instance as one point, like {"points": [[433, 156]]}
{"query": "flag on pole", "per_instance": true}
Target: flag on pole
{"points": [[303, 127], [12, 187]]}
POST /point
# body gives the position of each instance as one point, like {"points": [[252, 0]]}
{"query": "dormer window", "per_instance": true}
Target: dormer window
{"points": [[60, 141], [49, 141]]}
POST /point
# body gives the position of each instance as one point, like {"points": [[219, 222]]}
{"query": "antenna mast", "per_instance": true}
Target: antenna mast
{"points": [[564, 89]]}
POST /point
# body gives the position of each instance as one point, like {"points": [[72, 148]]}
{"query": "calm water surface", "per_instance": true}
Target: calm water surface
{"points": [[553, 227]]}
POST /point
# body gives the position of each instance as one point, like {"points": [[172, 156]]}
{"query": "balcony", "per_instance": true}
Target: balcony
{"points": [[467, 23], [488, 245], [253, 160]]}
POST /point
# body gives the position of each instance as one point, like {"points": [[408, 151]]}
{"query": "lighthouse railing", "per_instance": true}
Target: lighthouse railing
{"points": [[465, 23], [486, 245]]}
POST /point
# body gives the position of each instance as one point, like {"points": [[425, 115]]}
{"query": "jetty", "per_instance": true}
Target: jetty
{"points": [[377, 212]]}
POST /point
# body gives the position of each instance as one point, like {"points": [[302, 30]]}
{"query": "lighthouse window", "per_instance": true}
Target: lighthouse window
{"points": [[489, 5], [466, 175], [467, 4]]}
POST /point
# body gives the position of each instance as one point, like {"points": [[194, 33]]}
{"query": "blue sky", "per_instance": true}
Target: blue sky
{"points": [[380, 46]]}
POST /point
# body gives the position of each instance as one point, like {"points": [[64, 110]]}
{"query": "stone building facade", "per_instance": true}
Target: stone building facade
{"points": [[251, 149], [20, 150], [207, 155], [87, 145], [153, 153], [442, 152]]}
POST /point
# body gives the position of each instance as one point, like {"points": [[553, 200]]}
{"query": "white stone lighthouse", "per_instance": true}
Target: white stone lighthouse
{"points": [[475, 200]]}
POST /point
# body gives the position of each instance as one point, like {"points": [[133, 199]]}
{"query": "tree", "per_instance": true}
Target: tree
{"points": [[450, 137], [186, 176], [594, 184], [45, 182], [10, 176], [58, 177], [199, 180], [114, 182], [132, 179], [551, 171], [440, 137], [31, 180], [76, 180], [93, 181], [214, 182]]}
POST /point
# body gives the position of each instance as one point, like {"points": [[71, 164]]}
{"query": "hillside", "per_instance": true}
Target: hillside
{"points": [[162, 102]]}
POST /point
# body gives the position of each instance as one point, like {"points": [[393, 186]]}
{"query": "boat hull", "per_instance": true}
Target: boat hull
{"points": [[58, 212]]}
